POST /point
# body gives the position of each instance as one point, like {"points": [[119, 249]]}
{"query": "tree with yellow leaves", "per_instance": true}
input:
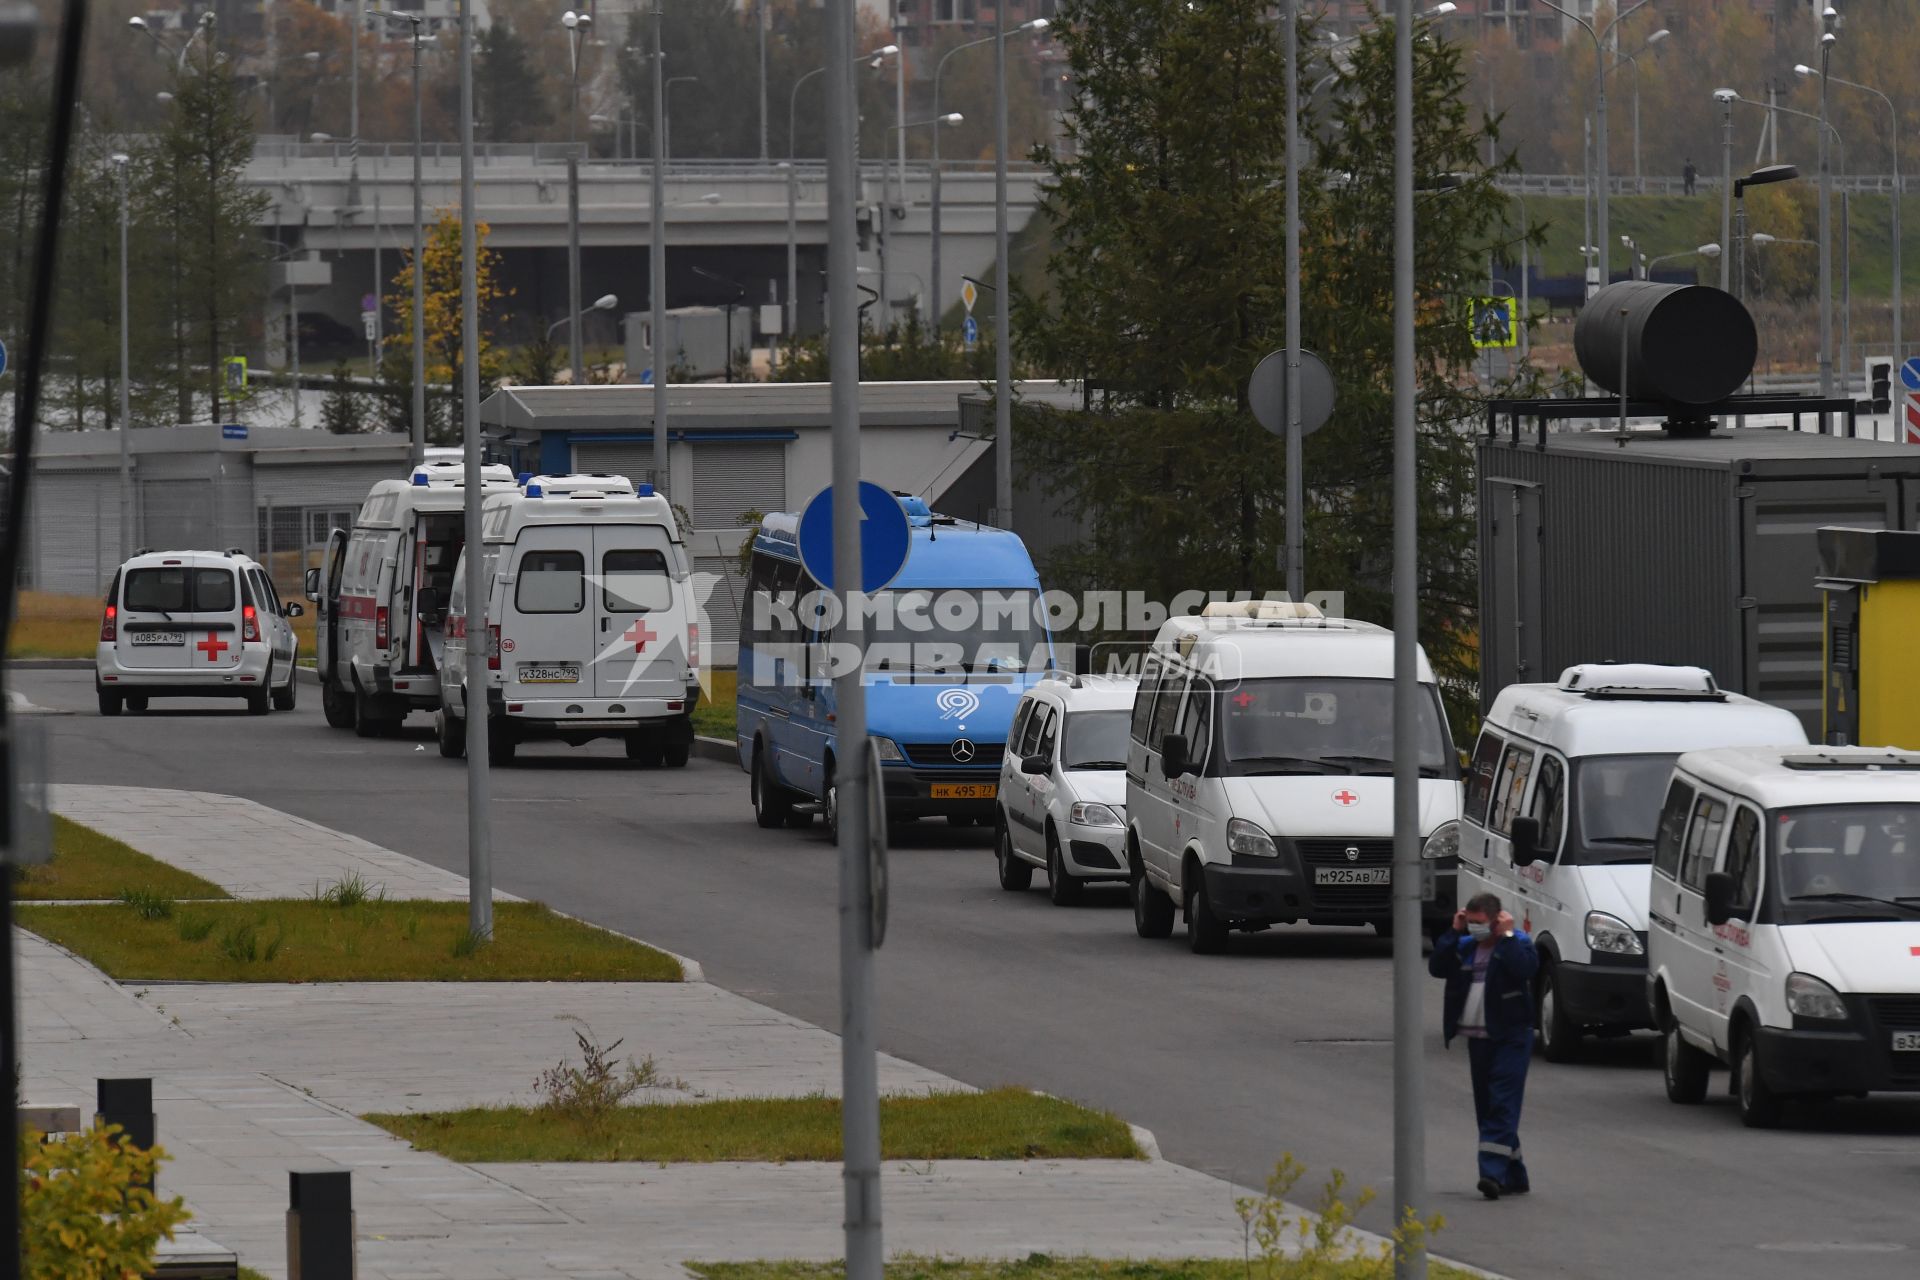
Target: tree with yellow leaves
{"points": [[444, 337]]}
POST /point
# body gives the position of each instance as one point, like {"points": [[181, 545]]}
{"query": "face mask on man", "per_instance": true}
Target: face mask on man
{"points": [[1479, 932]]}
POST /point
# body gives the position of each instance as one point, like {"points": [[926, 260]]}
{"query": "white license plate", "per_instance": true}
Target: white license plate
{"points": [[549, 673], [1353, 875], [1906, 1042], [157, 637]]}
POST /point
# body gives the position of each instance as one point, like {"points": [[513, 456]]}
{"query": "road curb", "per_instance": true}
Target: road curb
{"points": [[1144, 1139], [721, 749]]}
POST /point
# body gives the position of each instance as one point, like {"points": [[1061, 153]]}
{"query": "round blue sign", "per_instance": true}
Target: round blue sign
{"points": [[3, 357], [1910, 373], [885, 537]]}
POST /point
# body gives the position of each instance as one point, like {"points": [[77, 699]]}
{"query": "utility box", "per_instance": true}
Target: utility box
{"points": [[1696, 549], [1870, 579], [697, 343]]}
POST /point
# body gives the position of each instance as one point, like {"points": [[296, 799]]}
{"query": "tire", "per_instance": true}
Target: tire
{"points": [[500, 742], [1063, 888], [1686, 1067], [365, 723], [1759, 1106], [337, 705], [1206, 932], [772, 803], [451, 734], [1152, 909], [1015, 876], [136, 703], [110, 702], [645, 748], [1559, 1034], [259, 701], [830, 816], [286, 699], [676, 754]]}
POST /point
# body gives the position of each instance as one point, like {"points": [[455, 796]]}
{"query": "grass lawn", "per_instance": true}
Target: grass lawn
{"points": [[87, 864], [1040, 1266], [53, 626], [291, 940], [1002, 1124], [713, 718]]}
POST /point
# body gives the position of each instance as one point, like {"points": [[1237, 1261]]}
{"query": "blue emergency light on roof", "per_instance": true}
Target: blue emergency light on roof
{"points": [[420, 477], [646, 491], [523, 477], [534, 491]]}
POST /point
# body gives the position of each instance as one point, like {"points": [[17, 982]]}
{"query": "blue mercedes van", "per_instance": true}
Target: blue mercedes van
{"points": [[949, 648]]}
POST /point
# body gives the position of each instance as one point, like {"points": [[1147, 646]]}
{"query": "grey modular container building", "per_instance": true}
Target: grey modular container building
{"points": [[1696, 550]]}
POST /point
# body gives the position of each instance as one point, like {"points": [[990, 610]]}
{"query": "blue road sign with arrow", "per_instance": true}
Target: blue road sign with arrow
{"points": [[1909, 373], [970, 330], [3, 357], [884, 537]]}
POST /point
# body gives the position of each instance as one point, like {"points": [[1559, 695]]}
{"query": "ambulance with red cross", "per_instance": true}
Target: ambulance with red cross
{"points": [[590, 626], [381, 596]]}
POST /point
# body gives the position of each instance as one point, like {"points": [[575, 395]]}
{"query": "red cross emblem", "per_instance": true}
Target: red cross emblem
{"points": [[213, 646], [639, 633], [1243, 700], [1345, 798], [1913, 951]]}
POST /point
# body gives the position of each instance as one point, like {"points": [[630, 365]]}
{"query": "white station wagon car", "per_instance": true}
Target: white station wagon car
{"points": [[1063, 785]]}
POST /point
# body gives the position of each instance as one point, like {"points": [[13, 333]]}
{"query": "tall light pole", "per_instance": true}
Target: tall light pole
{"points": [[1704, 251], [578, 25], [1035, 25], [479, 832], [1899, 192], [1633, 60], [353, 103], [1826, 214], [120, 162], [882, 231], [1726, 99], [1600, 114], [761, 23], [793, 199], [1295, 552], [1003, 296], [936, 120], [417, 436], [657, 257]]}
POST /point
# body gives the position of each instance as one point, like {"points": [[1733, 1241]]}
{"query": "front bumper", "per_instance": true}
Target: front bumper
{"points": [[1609, 995], [1095, 853], [910, 792], [1842, 1061], [1278, 893]]}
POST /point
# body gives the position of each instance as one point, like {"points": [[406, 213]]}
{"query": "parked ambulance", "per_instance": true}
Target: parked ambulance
{"points": [[1260, 775], [591, 623], [1563, 798], [381, 594], [1786, 924]]}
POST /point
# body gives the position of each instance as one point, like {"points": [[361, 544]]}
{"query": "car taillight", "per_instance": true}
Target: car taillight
{"points": [[493, 647], [108, 625], [693, 646], [249, 624], [380, 627]]}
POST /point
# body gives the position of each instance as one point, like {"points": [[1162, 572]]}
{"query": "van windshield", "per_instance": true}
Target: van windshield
{"points": [[1309, 725], [1618, 802], [952, 633], [1095, 740], [1851, 859]]}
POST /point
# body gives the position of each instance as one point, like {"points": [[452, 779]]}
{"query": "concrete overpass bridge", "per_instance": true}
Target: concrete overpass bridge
{"points": [[728, 218]]}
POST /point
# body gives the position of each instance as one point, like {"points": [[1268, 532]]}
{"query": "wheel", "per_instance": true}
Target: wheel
{"points": [[365, 723], [337, 705], [451, 734], [1063, 888], [1559, 1033], [1686, 1067], [259, 701], [286, 699], [136, 703], [645, 748], [500, 741], [1206, 932], [830, 815], [1015, 876], [1152, 909], [772, 803], [109, 702], [1759, 1106], [676, 754]]}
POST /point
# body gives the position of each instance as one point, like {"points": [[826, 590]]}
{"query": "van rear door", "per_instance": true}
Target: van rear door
{"points": [[641, 626], [155, 600], [213, 617], [547, 625]]}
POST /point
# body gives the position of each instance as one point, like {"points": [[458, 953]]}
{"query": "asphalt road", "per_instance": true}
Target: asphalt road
{"points": [[1281, 1046]]}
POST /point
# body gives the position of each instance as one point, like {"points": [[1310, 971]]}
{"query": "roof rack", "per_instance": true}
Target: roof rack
{"points": [[1641, 680], [1853, 761], [1262, 610]]}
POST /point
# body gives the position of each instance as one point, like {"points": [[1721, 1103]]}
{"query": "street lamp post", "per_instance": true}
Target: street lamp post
{"points": [[1758, 178], [1704, 251], [353, 104], [1726, 99], [605, 302], [1002, 319], [578, 25], [1899, 192], [793, 233], [933, 271], [1598, 36], [937, 119], [120, 162], [1633, 60], [1826, 215], [657, 258], [417, 436], [881, 230], [1295, 550]]}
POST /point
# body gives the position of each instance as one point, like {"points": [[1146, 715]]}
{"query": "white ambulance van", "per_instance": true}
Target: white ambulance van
{"points": [[1260, 776], [381, 595], [1786, 924], [590, 623], [1563, 798]]}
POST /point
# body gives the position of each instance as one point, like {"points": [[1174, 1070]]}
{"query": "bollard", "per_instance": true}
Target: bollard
{"points": [[320, 1225], [129, 1104]]}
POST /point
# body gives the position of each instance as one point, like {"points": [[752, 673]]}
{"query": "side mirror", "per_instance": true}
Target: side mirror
{"points": [[426, 600], [1035, 765], [1720, 891], [1525, 841], [1173, 755], [313, 584], [292, 610]]}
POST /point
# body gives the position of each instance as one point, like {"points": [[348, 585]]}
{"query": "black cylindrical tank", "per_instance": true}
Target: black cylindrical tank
{"points": [[1686, 344]]}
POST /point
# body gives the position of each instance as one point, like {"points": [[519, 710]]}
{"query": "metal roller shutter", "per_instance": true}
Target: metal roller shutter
{"points": [[75, 518], [731, 478], [719, 588], [634, 461]]}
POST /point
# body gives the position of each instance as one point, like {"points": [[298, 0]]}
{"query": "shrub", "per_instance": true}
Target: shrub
{"points": [[147, 904], [85, 1210], [1315, 1242], [588, 1094]]}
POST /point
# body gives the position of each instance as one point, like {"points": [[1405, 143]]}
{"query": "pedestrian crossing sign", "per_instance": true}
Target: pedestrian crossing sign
{"points": [[1493, 322]]}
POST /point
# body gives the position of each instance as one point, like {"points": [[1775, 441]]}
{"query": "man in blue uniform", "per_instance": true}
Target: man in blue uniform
{"points": [[1488, 965]]}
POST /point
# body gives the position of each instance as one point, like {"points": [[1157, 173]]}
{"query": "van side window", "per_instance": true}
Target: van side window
{"points": [[1048, 734], [635, 580], [1030, 740], [1743, 861], [1196, 721], [1172, 685], [1486, 753], [1143, 699], [1703, 841], [1510, 784], [1670, 837], [1019, 725], [213, 591], [551, 582], [1549, 804]]}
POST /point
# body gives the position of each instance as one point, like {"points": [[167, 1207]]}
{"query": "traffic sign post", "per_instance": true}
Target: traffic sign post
{"points": [[1267, 393], [1493, 322], [969, 294], [970, 331], [885, 538], [3, 357]]}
